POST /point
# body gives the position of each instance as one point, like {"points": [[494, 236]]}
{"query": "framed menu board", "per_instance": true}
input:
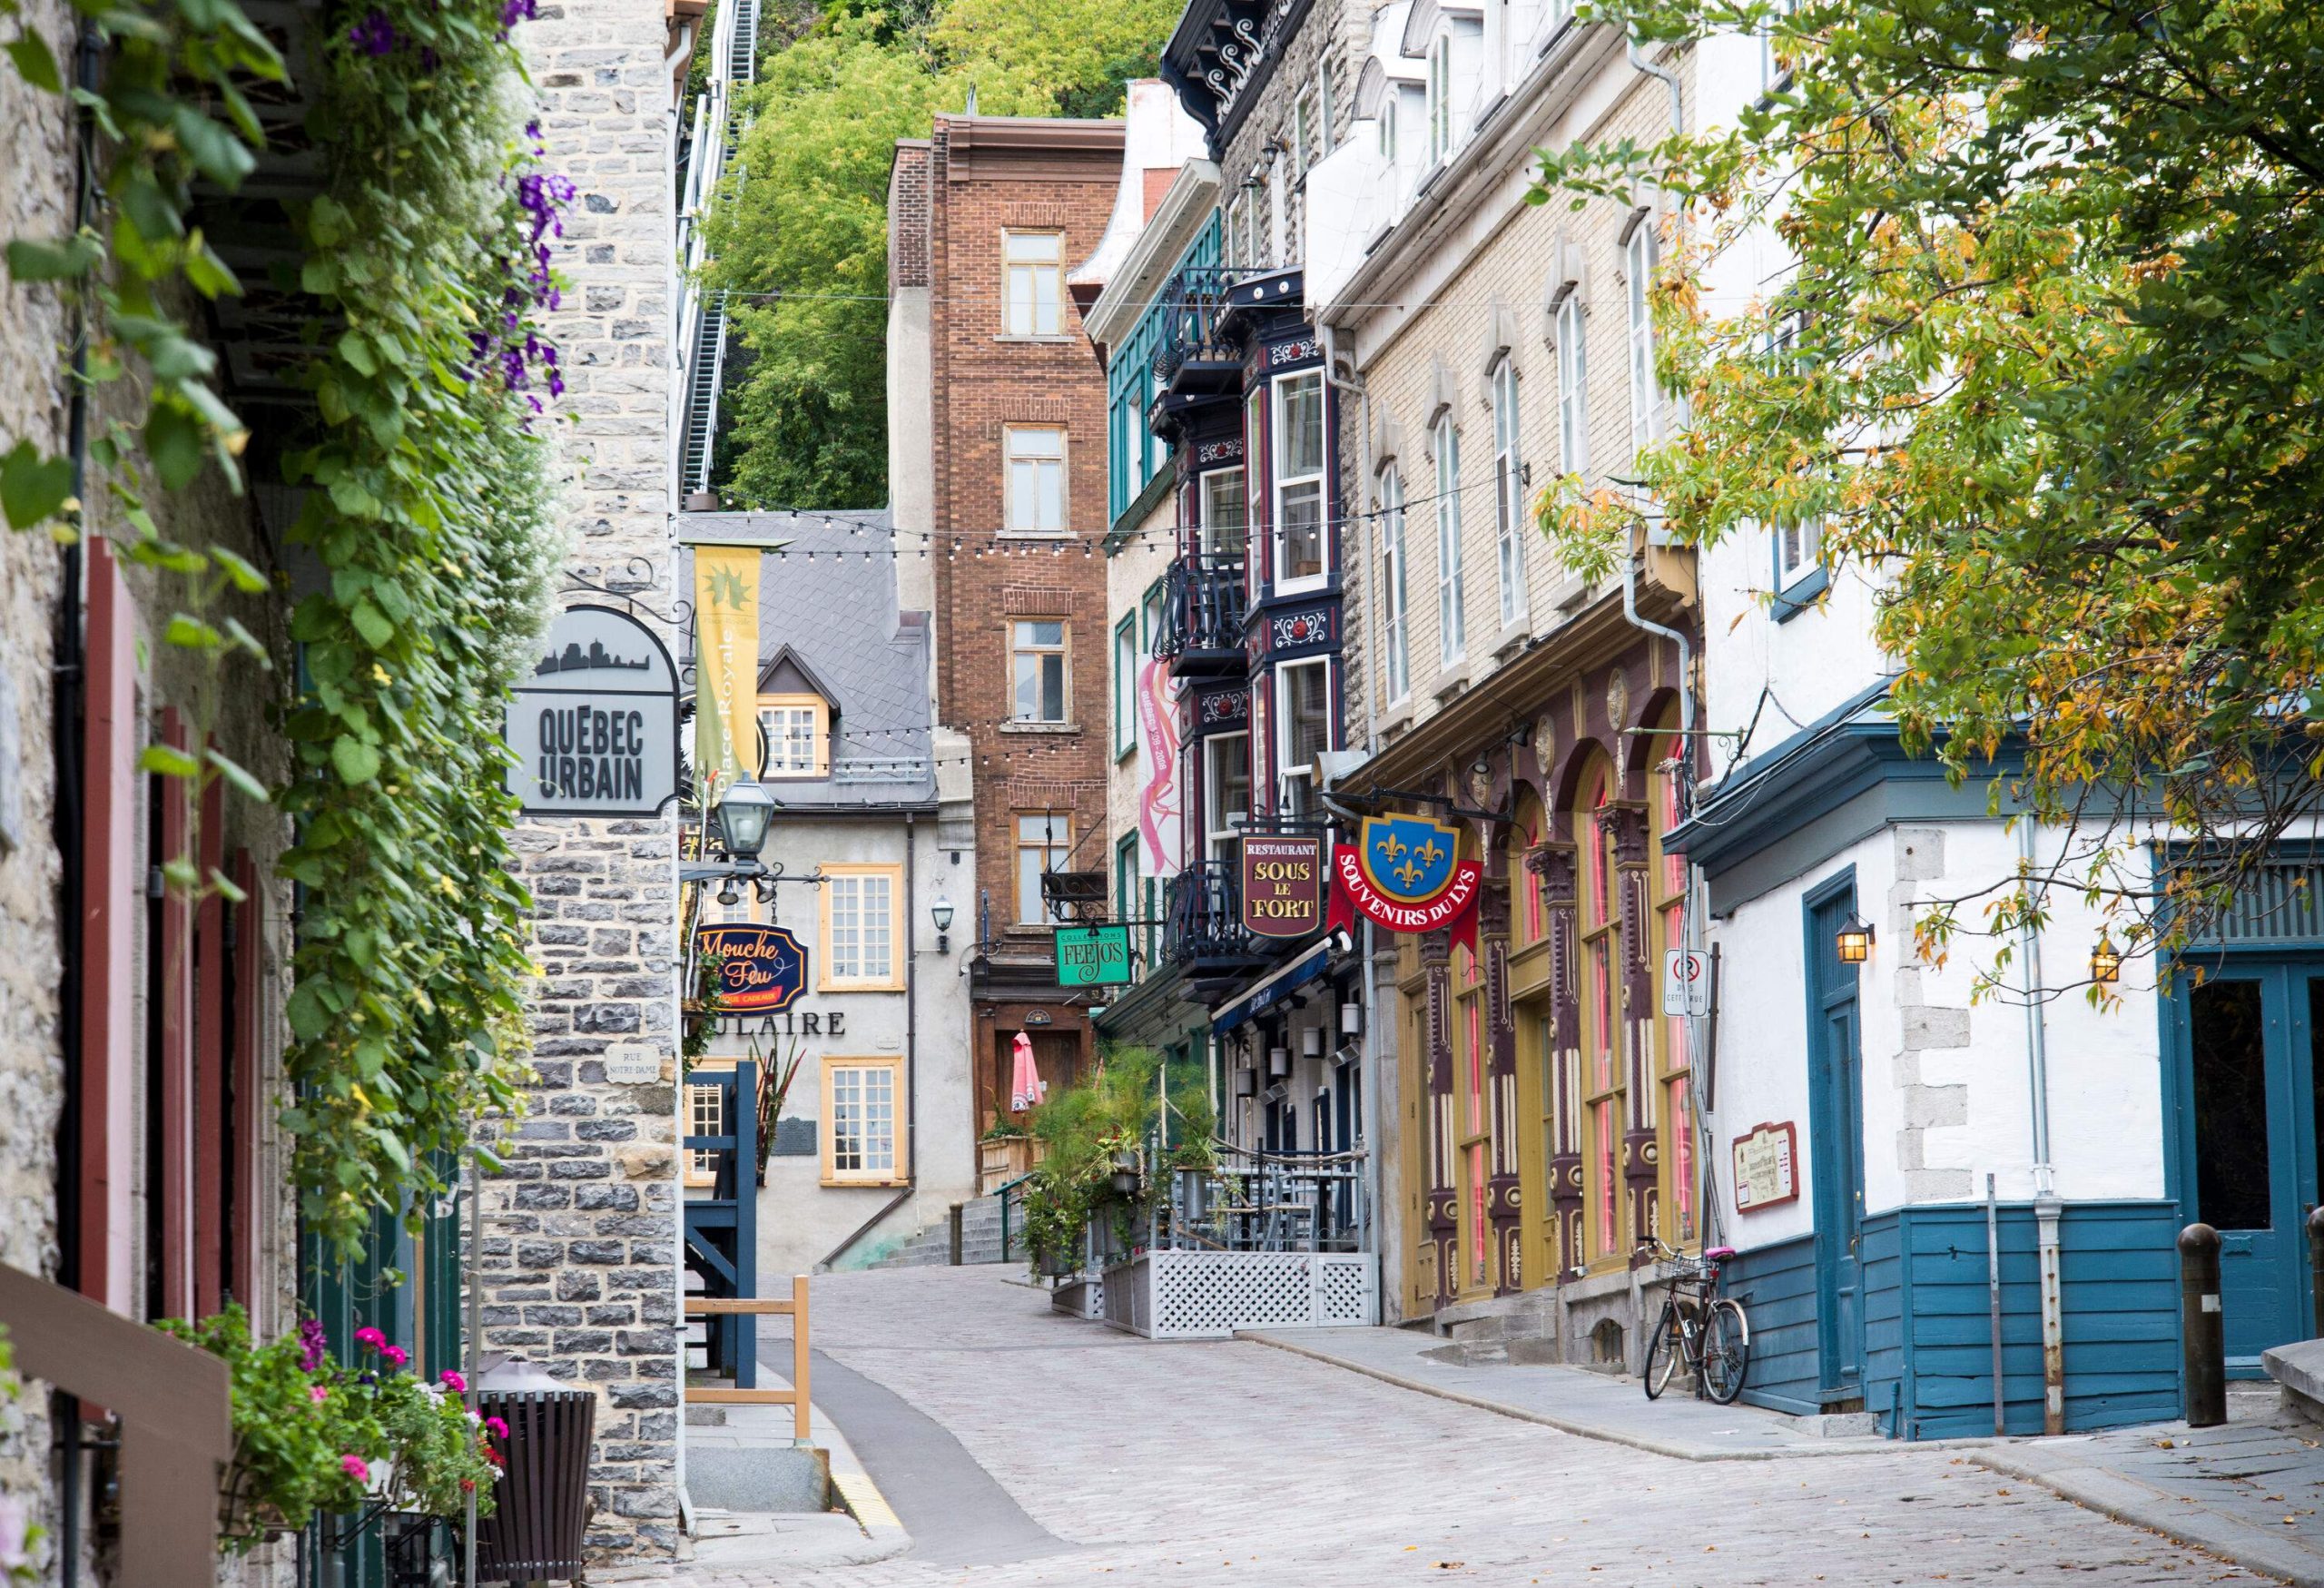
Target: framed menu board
{"points": [[1767, 1166]]}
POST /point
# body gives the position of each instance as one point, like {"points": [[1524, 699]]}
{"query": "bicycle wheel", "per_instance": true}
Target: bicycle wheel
{"points": [[1663, 1349], [1726, 1351]]}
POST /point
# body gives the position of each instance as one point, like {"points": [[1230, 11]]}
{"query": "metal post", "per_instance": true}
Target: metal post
{"points": [[954, 1220], [2316, 1265], [475, 1254], [1992, 1295], [2201, 1329]]}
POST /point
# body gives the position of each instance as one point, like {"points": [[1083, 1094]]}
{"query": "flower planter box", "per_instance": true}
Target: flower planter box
{"points": [[1080, 1296], [1002, 1158]]}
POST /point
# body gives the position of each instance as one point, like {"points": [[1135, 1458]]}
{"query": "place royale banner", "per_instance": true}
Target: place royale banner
{"points": [[595, 726], [1401, 873], [726, 679]]}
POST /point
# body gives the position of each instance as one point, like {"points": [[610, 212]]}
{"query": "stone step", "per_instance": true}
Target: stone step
{"points": [[2299, 1370]]}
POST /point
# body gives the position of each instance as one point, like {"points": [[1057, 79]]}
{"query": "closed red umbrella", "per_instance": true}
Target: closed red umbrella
{"points": [[1026, 1088]]}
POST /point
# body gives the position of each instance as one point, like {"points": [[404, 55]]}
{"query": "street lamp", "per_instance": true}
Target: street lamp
{"points": [[940, 913], [742, 818], [1854, 939]]}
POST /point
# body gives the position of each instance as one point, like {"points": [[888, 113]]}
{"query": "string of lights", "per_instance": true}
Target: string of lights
{"points": [[953, 543]]}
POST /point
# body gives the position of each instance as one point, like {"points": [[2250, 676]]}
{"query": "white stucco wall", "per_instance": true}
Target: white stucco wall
{"points": [[801, 1220], [1946, 1077]]}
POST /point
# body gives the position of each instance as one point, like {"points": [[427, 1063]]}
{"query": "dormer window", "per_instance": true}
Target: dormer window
{"points": [[1440, 98], [797, 719]]}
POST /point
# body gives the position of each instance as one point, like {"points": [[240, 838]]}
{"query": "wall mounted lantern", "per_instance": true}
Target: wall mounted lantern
{"points": [[1854, 939]]}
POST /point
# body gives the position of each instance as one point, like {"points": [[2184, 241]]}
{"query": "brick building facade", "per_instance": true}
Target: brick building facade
{"points": [[985, 217]]}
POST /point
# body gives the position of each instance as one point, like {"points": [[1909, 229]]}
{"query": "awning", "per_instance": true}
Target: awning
{"points": [[1279, 984]]}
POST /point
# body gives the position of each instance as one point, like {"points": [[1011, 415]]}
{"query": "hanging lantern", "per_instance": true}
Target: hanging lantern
{"points": [[2105, 961], [1854, 939]]}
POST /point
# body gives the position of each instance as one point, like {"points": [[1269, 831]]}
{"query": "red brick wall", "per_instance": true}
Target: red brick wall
{"points": [[985, 174]]}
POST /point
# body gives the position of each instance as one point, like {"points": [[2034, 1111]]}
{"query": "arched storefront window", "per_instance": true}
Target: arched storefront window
{"points": [[1666, 884], [1471, 1063], [1600, 1017]]}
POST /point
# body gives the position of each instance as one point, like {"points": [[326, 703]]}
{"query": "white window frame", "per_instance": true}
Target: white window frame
{"points": [[1395, 656], [1509, 492], [1022, 644], [1304, 126], [1126, 660], [1220, 837], [1206, 488], [1440, 98], [781, 719], [1023, 470], [1298, 780], [854, 971], [1640, 253], [705, 1116], [1799, 552], [1452, 601], [1387, 126], [880, 1151], [1281, 482], [1043, 312], [1574, 396], [1054, 844]]}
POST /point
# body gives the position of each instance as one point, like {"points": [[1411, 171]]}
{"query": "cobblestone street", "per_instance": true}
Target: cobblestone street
{"points": [[1233, 1463]]}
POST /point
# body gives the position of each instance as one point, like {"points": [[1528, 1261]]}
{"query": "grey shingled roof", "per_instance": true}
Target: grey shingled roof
{"points": [[838, 615]]}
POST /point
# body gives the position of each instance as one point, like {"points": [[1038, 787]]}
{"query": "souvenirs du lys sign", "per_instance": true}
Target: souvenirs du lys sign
{"points": [[1401, 874]]}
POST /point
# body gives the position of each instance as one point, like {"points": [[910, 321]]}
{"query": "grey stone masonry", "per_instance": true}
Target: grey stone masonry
{"points": [[582, 1235]]}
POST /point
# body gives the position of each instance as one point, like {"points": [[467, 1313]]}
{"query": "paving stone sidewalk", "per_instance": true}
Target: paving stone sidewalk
{"points": [[1231, 1463], [2252, 1489]]}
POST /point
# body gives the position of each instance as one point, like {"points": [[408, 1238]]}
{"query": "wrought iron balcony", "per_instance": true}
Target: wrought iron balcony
{"points": [[1203, 614], [1205, 933], [1196, 355]]}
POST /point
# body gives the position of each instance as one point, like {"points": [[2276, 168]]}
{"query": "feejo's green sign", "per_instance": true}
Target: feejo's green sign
{"points": [[1093, 956]]}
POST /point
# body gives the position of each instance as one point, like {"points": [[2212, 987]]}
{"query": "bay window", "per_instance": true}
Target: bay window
{"points": [[1298, 480], [1227, 792], [1304, 718]]}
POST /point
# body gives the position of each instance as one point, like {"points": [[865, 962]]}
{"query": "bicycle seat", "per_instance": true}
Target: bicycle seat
{"points": [[1718, 1254]]}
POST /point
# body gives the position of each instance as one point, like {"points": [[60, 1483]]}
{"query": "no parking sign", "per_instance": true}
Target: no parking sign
{"points": [[1686, 982]]}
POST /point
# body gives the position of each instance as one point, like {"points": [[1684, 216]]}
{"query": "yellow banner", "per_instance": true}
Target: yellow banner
{"points": [[726, 674]]}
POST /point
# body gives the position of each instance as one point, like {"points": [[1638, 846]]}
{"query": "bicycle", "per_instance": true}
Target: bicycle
{"points": [[1708, 1330]]}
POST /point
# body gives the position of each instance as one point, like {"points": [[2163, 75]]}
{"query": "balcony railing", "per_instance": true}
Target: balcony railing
{"points": [[1203, 614], [1205, 934], [1195, 351]]}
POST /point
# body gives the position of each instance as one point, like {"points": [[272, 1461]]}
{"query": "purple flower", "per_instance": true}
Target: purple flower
{"points": [[314, 1344], [513, 12], [375, 34]]}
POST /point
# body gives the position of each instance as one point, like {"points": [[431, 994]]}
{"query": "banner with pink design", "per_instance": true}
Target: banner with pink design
{"points": [[1160, 803]]}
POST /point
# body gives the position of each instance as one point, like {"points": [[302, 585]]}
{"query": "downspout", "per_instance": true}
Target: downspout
{"points": [[2048, 1208], [67, 736]]}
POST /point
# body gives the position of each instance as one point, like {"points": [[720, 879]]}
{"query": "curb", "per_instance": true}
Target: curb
{"points": [[1676, 1450], [2137, 1504]]}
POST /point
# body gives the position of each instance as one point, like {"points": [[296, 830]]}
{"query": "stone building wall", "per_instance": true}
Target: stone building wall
{"points": [[582, 1233]]}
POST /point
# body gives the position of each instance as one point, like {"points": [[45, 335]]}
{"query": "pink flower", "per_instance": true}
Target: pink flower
{"points": [[372, 1339], [318, 1393], [395, 1355], [496, 1428], [455, 1383], [355, 1466]]}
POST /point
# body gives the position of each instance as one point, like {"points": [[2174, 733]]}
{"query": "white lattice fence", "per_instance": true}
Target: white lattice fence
{"points": [[1083, 1295], [1193, 1295]]}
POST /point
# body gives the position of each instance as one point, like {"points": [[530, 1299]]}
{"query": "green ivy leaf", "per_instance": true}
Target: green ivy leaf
{"points": [[33, 488], [371, 624], [168, 761], [233, 771], [29, 260], [173, 440], [356, 762], [34, 62]]}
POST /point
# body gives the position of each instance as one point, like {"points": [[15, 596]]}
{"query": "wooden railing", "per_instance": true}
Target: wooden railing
{"points": [[797, 1396]]}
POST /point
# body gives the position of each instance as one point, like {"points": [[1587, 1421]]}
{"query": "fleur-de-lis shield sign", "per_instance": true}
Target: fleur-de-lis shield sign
{"points": [[1409, 858]]}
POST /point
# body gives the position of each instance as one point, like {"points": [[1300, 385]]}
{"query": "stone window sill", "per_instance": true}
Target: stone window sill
{"points": [[1017, 727]]}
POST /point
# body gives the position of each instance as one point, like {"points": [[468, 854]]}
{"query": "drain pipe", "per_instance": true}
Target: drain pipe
{"points": [[2048, 1208]]}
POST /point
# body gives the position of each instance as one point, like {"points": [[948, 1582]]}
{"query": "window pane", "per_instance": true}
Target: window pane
{"points": [[1223, 513], [2230, 1053], [1033, 247], [1303, 531], [1303, 425], [1052, 689], [1310, 727]]}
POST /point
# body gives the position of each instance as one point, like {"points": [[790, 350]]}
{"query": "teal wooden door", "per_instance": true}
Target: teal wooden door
{"points": [[2249, 1108], [1835, 1148]]}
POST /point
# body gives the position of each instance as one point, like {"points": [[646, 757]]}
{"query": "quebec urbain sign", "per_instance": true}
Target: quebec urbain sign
{"points": [[594, 727]]}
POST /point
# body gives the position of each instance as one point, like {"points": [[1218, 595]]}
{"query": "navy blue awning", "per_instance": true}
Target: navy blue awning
{"points": [[1279, 984]]}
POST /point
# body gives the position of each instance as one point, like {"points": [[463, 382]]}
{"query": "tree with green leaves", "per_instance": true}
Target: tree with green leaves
{"points": [[799, 229], [2046, 360]]}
